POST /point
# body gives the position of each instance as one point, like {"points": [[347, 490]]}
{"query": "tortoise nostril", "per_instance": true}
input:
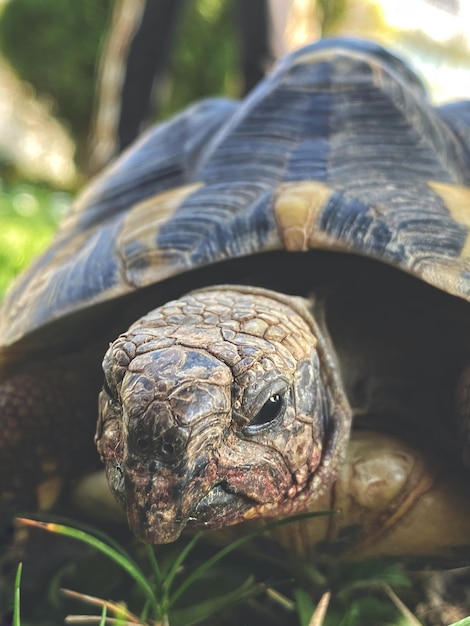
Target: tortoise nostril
{"points": [[167, 449], [171, 445]]}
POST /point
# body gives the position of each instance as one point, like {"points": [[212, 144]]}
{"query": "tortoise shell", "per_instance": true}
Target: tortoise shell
{"points": [[338, 149], [338, 154]]}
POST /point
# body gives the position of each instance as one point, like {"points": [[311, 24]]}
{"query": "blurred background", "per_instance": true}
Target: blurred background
{"points": [[63, 83]]}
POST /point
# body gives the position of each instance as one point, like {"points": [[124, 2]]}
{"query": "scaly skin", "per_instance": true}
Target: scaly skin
{"points": [[219, 407], [47, 414], [390, 498]]}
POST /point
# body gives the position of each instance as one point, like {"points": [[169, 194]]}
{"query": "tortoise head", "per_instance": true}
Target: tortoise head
{"points": [[219, 407]]}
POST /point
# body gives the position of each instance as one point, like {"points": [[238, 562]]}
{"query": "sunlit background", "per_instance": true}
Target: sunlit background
{"points": [[47, 78]]}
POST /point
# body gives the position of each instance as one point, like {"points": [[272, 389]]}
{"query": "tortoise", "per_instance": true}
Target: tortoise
{"points": [[297, 262]]}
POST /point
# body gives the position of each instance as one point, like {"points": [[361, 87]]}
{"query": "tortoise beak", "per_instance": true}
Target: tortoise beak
{"points": [[221, 506], [160, 506], [155, 506]]}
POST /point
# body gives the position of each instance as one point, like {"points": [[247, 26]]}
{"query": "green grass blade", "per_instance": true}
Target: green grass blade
{"points": [[178, 563], [156, 571], [103, 616], [16, 605], [153, 562], [305, 606], [87, 528], [198, 612], [463, 622], [128, 566], [236, 544]]}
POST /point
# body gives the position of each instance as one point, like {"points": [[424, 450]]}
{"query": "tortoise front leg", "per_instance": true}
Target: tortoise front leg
{"points": [[46, 433], [390, 499]]}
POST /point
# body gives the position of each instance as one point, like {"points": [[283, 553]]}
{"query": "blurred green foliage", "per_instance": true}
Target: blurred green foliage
{"points": [[28, 218], [331, 13], [204, 60], [53, 44]]}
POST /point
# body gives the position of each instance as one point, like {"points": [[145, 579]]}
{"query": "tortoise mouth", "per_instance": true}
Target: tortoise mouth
{"points": [[220, 506]]}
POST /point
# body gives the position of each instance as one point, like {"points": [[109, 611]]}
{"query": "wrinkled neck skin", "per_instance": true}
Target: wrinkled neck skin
{"points": [[222, 406]]}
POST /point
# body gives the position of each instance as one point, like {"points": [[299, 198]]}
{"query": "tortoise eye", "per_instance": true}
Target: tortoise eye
{"points": [[269, 412]]}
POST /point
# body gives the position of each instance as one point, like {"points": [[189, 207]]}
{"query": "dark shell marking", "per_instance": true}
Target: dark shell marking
{"points": [[337, 149]]}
